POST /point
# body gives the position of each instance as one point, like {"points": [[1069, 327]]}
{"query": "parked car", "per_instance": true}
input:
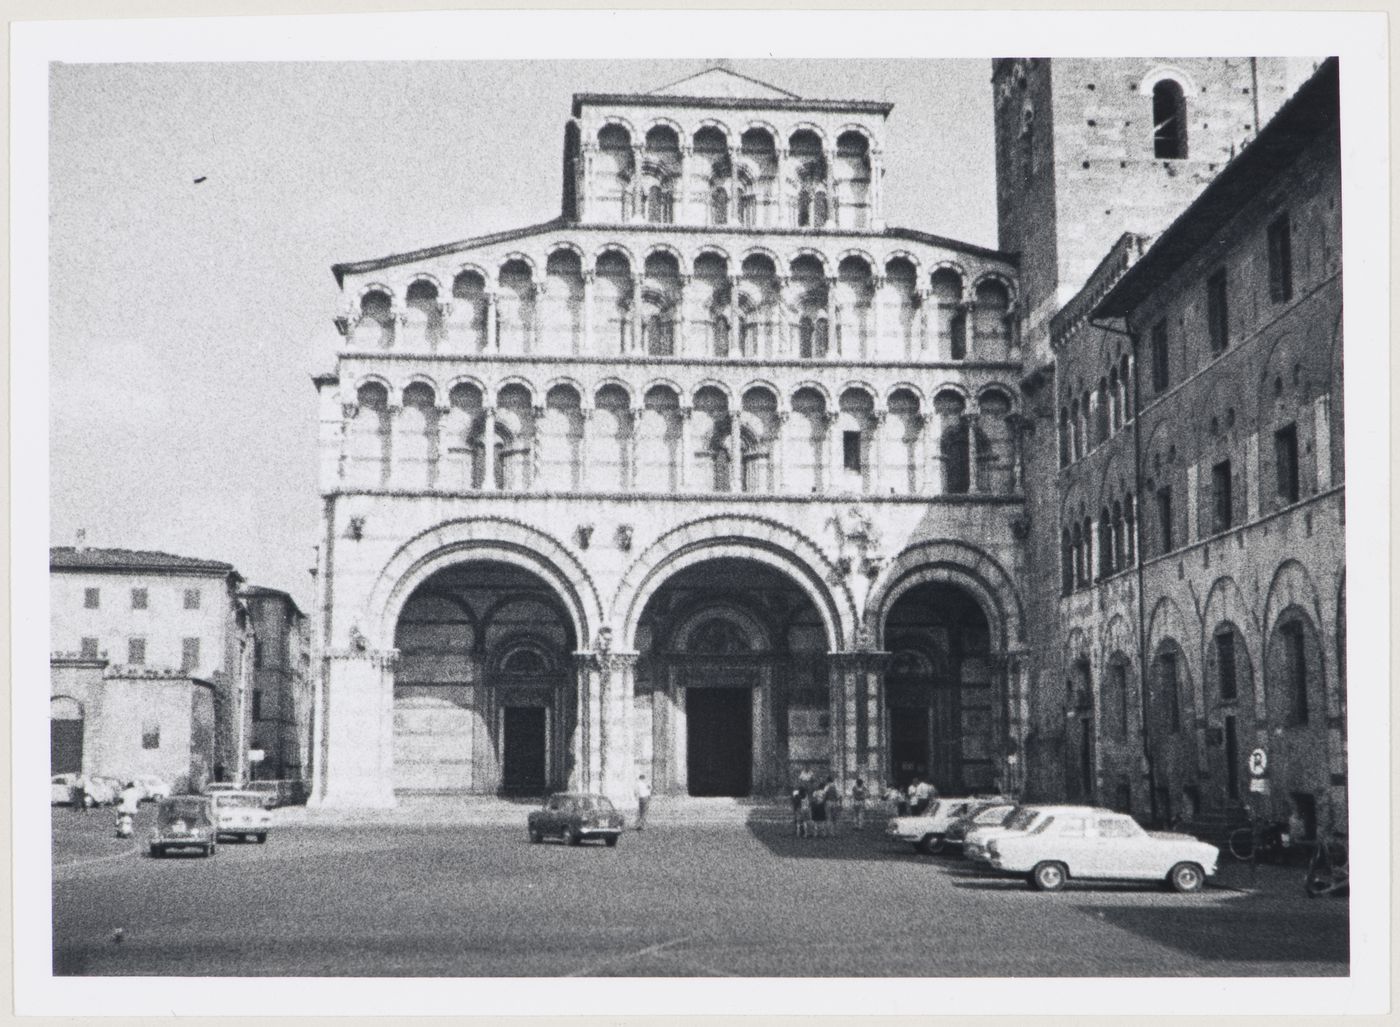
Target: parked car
{"points": [[184, 822], [242, 814], [1022, 818], [152, 787], [61, 789], [101, 790], [575, 817], [992, 814], [1099, 844], [926, 831]]}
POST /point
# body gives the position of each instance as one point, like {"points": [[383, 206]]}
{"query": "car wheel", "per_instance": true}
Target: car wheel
{"points": [[925, 845], [157, 852], [262, 837], [1186, 877], [610, 841], [535, 837], [571, 837], [1049, 876]]}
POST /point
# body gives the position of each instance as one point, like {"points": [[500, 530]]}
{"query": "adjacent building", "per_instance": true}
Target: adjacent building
{"points": [[280, 710]]}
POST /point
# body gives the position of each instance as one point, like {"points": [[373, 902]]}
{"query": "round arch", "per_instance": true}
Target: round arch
{"points": [[740, 537], [470, 539], [955, 563]]}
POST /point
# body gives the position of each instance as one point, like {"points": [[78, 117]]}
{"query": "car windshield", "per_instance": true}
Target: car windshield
{"points": [[190, 812], [595, 804], [1020, 819], [995, 815], [254, 801]]}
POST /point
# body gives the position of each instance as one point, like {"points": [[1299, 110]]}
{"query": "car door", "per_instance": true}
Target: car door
{"points": [[1070, 842], [1126, 849]]}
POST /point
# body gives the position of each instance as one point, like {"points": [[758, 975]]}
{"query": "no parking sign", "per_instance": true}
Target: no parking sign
{"points": [[1258, 766]]}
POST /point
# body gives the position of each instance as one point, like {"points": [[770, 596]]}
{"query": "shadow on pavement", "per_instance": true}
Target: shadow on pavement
{"points": [[1246, 935], [779, 836]]}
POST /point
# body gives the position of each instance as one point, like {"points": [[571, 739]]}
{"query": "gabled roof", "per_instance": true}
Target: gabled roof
{"points": [[1313, 111], [719, 81], [69, 558], [263, 592]]}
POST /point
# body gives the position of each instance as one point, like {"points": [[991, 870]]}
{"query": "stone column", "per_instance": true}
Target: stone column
{"points": [[357, 730], [585, 212], [633, 445], [493, 335], [834, 342], [736, 450], [610, 759], [638, 186], [779, 188], [585, 444], [490, 479], [536, 479], [538, 292], [636, 345], [778, 452], [877, 452], [835, 464], [589, 345], [733, 185], [441, 446], [683, 471], [972, 460], [921, 297], [682, 206], [923, 478], [858, 739], [679, 343], [586, 751], [736, 335], [876, 350], [875, 215]]}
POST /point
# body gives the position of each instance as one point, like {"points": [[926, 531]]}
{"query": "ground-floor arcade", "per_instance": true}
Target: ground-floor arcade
{"points": [[722, 666]]}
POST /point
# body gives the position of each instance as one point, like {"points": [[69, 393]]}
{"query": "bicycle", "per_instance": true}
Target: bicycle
{"points": [[1261, 840], [1328, 870]]}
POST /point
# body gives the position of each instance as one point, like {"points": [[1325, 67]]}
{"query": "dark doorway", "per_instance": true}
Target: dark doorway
{"points": [[65, 746], [909, 744], [1086, 758], [719, 740], [523, 750]]}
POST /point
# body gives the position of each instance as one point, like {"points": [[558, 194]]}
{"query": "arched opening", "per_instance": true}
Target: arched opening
{"points": [[992, 339], [612, 304], [758, 306], [563, 301], [515, 308], [375, 329], [560, 434], [65, 735], [899, 304], [707, 300], [731, 687], [661, 297], [852, 180], [423, 314], [759, 156], [484, 699], [855, 293], [1168, 120], [370, 437], [469, 317], [953, 448], [948, 314], [614, 171], [1229, 689], [940, 691]]}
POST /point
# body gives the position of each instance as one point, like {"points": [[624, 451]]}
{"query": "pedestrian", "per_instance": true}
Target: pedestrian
{"points": [[895, 797], [800, 811], [80, 793], [920, 794], [643, 800], [832, 797], [858, 797], [817, 800]]}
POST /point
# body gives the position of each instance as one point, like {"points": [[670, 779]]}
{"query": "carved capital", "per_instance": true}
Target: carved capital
{"points": [[349, 410]]}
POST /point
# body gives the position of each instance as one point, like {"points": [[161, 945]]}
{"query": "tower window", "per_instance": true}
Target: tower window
{"points": [[1225, 664], [1296, 672], [1164, 518], [92, 598], [1280, 259], [1168, 121]]}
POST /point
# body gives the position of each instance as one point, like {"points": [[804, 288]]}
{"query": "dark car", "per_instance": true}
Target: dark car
{"points": [[575, 817], [184, 822]]}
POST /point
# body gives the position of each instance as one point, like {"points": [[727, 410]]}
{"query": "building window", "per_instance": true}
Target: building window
{"points": [[92, 598], [1170, 689], [189, 654], [135, 651], [1064, 436], [1066, 563], [1164, 518], [719, 207], [1168, 121], [257, 704], [139, 599], [191, 599], [1129, 531], [1161, 366], [1105, 540], [1295, 672], [1118, 682], [1076, 439], [1286, 462], [89, 649], [1218, 311], [1225, 664], [850, 450], [150, 734], [257, 654], [1220, 490], [1280, 259]]}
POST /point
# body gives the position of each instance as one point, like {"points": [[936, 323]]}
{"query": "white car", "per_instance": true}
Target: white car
{"points": [[925, 832], [152, 787], [1023, 818], [241, 813], [1085, 843]]}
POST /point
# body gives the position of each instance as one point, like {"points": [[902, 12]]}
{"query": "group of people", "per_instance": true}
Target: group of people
{"points": [[913, 801], [816, 807]]}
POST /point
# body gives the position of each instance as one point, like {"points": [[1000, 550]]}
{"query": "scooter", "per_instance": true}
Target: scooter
{"points": [[124, 825]]}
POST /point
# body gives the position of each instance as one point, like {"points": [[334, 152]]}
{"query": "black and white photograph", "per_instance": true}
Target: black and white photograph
{"points": [[756, 513]]}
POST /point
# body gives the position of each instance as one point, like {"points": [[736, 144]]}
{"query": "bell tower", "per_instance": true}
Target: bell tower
{"points": [[1090, 148]]}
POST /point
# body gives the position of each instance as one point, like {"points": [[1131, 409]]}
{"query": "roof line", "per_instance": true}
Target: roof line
{"points": [[374, 263], [727, 71], [730, 102]]}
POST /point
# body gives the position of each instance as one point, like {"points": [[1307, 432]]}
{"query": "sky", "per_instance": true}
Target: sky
{"points": [[186, 318]]}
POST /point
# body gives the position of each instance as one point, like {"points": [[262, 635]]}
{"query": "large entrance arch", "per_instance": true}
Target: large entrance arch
{"points": [[483, 690], [731, 692]]}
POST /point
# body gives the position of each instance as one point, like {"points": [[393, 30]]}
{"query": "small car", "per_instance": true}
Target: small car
{"points": [[242, 814], [575, 817], [926, 831], [1099, 844], [101, 791], [184, 822]]}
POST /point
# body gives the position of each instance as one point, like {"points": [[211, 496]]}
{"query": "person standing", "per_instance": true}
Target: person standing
{"points": [[920, 795], [858, 797], [643, 800], [832, 795], [818, 803]]}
